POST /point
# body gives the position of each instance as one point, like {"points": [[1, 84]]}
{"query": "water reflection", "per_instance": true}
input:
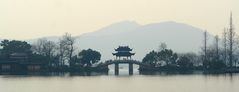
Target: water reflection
{"points": [[107, 82], [55, 73], [122, 73]]}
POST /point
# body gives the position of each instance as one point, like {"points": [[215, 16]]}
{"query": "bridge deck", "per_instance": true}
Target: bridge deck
{"points": [[110, 62]]}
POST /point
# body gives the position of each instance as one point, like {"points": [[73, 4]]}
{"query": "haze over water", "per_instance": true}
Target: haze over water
{"points": [[122, 83]]}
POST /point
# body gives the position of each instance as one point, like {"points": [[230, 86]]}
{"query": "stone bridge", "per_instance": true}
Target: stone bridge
{"points": [[117, 62]]}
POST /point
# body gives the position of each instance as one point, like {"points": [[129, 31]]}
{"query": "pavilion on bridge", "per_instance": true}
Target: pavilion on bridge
{"points": [[123, 51]]}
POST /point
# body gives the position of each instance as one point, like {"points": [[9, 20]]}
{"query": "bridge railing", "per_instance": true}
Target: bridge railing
{"points": [[131, 60], [108, 62]]}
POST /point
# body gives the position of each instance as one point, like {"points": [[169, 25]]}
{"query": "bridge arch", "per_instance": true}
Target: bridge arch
{"points": [[117, 62]]}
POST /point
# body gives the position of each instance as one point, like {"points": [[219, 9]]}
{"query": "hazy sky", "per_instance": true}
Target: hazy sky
{"points": [[25, 19]]}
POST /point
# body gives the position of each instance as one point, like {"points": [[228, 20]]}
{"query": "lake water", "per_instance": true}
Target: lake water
{"points": [[121, 83]]}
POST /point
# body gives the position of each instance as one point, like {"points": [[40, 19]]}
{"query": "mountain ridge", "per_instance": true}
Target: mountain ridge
{"points": [[179, 37]]}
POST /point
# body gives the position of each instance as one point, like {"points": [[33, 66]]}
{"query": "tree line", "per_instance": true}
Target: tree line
{"points": [[55, 54], [223, 53]]}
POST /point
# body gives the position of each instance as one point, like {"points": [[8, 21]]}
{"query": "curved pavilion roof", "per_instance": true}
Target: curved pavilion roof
{"points": [[123, 48], [123, 51]]}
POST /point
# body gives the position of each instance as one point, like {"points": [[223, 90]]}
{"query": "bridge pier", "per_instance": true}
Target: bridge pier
{"points": [[116, 68], [131, 69], [129, 62]]}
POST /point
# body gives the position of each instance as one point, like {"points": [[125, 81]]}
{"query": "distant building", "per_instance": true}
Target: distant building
{"points": [[19, 57], [0, 51], [8, 66], [123, 51], [20, 62], [33, 66]]}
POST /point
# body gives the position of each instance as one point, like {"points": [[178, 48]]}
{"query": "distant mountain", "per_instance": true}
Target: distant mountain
{"points": [[142, 38], [115, 29]]}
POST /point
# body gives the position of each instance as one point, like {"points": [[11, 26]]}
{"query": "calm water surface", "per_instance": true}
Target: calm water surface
{"points": [[122, 83]]}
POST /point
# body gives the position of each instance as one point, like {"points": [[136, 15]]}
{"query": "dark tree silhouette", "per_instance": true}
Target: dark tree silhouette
{"points": [[15, 46], [66, 48], [184, 62], [224, 44], [204, 49], [217, 48], [168, 56], [44, 47], [231, 39], [89, 57], [151, 58], [155, 58]]}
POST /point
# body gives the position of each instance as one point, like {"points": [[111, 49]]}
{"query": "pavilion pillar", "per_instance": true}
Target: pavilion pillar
{"points": [[131, 69], [116, 68]]}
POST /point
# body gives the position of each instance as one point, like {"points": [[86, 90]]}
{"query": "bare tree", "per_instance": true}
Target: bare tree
{"points": [[37, 47], [50, 48], [204, 49], [66, 48], [217, 47], [224, 43], [231, 39], [62, 51], [162, 46], [205, 45], [44, 47]]}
